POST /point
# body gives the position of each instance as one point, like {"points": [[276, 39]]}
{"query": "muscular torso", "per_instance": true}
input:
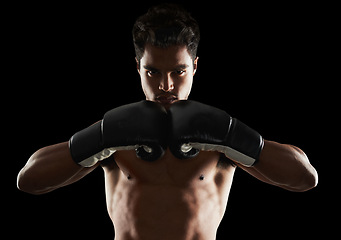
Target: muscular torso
{"points": [[169, 198]]}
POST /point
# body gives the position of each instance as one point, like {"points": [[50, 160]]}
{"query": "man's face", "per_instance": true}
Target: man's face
{"points": [[166, 73]]}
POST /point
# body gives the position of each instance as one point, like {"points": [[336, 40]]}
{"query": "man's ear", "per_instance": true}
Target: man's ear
{"points": [[195, 65], [137, 65]]}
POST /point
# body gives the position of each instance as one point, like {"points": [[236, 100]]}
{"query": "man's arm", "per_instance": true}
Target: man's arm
{"points": [[284, 166], [50, 168], [59, 165], [197, 126]]}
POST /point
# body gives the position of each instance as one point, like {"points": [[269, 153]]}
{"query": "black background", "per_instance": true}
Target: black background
{"points": [[268, 64]]}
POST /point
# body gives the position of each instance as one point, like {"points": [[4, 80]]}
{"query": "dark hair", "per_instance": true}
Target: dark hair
{"points": [[166, 25]]}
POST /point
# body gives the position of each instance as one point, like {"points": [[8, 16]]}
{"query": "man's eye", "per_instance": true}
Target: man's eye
{"points": [[180, 72], [151, 73]]}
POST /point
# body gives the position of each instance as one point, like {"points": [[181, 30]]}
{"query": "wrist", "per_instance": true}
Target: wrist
{"points": [[86, 146], [243, 144]]}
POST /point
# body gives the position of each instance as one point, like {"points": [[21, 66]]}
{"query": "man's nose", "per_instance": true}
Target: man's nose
{"points": [[166, 83]]}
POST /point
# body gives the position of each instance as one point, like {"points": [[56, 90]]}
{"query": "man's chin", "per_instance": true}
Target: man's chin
{"points": [[166, 101], [167, 104]]}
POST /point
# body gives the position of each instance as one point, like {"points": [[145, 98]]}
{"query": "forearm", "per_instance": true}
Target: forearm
{"points": [[285, 166], [48, 169]]}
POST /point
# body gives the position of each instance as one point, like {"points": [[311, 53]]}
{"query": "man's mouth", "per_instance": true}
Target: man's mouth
{"points": [[166, 99]]}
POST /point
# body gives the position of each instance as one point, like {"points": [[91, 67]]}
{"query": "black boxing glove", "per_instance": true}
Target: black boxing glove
{"points": [[140, 126], [196, 126]]}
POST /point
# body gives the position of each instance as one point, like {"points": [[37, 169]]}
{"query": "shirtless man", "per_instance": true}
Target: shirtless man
{"points": [[168, 162]]}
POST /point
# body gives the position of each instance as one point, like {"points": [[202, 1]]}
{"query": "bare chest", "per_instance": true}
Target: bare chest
{"points": [[169, 195], [168, 169]]}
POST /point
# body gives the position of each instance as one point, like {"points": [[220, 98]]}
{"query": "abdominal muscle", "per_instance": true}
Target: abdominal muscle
{"points": [[142, 208]]}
